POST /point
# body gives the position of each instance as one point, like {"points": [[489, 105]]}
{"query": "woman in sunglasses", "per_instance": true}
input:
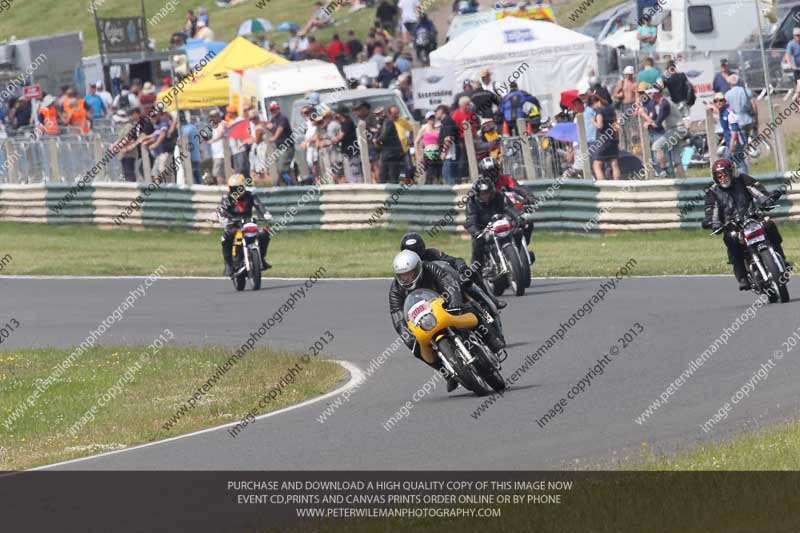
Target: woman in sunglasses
{"points": [[731, 131]]}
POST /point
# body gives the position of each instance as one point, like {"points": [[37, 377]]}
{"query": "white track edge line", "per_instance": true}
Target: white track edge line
{"points": [[174, 278], [357, 377]]}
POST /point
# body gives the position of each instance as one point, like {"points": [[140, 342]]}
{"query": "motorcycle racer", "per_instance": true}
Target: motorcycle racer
{"points": [[237, 205]]}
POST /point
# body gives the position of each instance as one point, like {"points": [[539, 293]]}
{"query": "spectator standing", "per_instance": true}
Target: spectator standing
{"points": [[333, 130], [595, 87], [512, 107], [488, 144], [669, 145], [218, 129], [75, 116], [466, 90], [731, 132], [486, 80], [124, 100], [283, 140], [337, 48], [309, 143], [460, 116], [159, 146], [721, 83], [403, 62], [391, 151], [427, 148], [405, 131], [354, 45], [606, 147], [743, 105], [625, 92], [680, 89], [108, 100], [449, 150], [189, 131], [649, 73], [348, 145], [386, 14], [792, 58], [647, 34], [425, 37], [388, 74], [372, 129], [258, 149], [148, 97], [409, 17], [126, 140], [484, 101], [315, 49], [378, 58], [95, 103]]}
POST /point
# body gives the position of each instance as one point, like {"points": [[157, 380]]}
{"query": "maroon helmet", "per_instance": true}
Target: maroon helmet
{"points": [[723, 167]]}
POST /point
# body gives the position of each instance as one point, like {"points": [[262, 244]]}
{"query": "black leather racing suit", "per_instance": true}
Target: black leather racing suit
{"points": [[231, 211], [722, 205], [478, 216]]}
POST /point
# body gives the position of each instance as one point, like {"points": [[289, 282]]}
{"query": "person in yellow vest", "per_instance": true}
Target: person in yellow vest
{"points": [[48, 116], [405, 131]]}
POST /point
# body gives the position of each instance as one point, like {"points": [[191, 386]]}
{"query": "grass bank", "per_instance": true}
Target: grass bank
{"points": [[38, 249], [102, 403]]}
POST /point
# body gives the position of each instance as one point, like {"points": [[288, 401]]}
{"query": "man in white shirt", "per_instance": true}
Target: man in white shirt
{"points": [[104, 95], [409, 17], [217, 150]]}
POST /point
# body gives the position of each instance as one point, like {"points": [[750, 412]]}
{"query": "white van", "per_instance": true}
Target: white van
{"points": [[286, 82], [697, 25]]}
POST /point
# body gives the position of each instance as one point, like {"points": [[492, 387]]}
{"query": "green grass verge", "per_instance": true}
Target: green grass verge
{"points": [[137, 411], [771, 448], [40, 249]]}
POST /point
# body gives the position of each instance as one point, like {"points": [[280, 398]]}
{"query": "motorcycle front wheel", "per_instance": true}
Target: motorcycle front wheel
{"points": [[255, 273], [516, 276], [464, 374], [782, 291]]}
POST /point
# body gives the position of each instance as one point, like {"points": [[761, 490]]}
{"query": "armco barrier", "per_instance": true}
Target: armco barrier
{"points": [[568, 204]]}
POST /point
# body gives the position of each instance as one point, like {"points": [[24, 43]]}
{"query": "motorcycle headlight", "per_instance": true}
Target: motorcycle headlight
{"points": [[428, 322]]}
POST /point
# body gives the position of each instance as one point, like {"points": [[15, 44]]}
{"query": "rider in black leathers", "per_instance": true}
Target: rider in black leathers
{"points": [[236, 206], [481, 207], [469, 278], [733, 194], [436, 278]]}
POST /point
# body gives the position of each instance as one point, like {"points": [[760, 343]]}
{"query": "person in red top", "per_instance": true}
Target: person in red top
{"points": [[464, 114], [337, 48]]}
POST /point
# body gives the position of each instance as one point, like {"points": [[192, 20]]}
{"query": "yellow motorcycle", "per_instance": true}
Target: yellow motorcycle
{"points": [[454, 340]]}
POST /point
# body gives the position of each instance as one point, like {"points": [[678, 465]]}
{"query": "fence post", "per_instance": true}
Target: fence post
{"points": [[97, 147], [146, 165], [780, 145], [363, 151], [273, 169], [186, 161], [11, 163], [226, 150], [647, 153], [583, 147], [526, 146], [711, 137], [469, 144], [53, 149]]}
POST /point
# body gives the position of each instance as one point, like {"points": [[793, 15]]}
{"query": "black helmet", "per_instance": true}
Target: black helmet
{"points": [[723, 167], [413, 242], [484, 191]]}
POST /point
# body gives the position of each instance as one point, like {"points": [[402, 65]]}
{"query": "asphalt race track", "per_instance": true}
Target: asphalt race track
{"points": [[681, 317]]}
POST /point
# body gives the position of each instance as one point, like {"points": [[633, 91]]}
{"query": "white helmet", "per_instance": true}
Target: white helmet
{"points": [[407, 267]]}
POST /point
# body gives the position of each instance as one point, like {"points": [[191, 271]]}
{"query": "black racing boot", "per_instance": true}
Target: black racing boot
{"points": [[452, 384], [744, 284], [264, 264], [228, 269]]}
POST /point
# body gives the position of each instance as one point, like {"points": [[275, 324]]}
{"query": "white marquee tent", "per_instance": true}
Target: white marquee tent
{"points": [[544, 58]]}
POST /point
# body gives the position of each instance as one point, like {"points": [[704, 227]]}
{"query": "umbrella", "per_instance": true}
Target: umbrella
{"points": [[564, 132], [288, 26], [254, 26]]}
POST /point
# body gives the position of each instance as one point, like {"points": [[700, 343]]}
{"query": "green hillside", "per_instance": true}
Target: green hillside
{"points": [[33, 18]]}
